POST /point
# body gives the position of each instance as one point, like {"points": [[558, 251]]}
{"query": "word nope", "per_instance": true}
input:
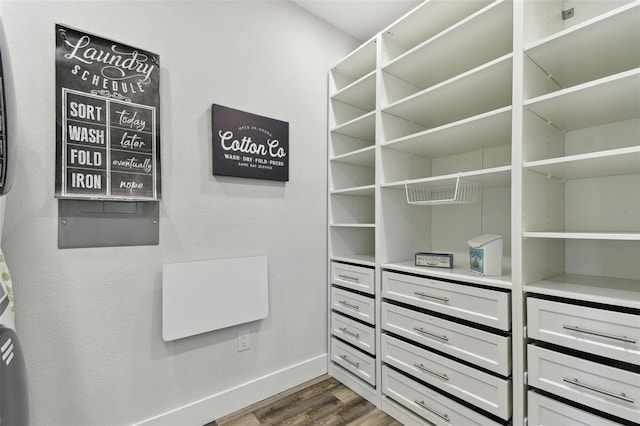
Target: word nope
{"points": [[247, 146]]}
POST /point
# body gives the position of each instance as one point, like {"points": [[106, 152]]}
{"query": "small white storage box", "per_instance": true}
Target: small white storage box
{"points": [[485, 254]]}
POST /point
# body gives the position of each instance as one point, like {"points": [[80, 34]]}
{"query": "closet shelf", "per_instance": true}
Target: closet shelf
{"points": [[362, 127], [587, 288], [455, 41], [366, 259], [361, 93], [485, 130], [362, 157], [418, 25], [358, 63], [608, 45], [352, 225], [613, 162], [493, 177], [490, 84], [617, 236], [367, 191], [603, 101]]}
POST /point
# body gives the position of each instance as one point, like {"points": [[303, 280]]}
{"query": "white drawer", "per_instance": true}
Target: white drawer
{"points": [[355, 305], [487, 307], [486, 350], [354, 332], [609, 389], [545, 411], [598, 331], [356, 362], [481, 389], [431, 405], [353, 277]]}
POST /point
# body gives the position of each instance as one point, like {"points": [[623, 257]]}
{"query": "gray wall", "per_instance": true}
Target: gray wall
{"points": [[90, 319]]}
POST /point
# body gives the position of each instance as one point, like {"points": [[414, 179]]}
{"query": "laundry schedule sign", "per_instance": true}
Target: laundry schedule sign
{"points": [[249, 145], [107, 116]]}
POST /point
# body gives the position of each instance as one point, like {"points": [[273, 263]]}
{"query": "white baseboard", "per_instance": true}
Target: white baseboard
{"points": [[228, 401]]}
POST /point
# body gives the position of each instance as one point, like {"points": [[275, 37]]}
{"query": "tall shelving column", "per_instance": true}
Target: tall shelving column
{"points": [[581, 210], [445, 100], [352, 225]]}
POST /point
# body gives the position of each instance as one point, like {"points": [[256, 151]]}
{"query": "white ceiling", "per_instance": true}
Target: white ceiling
{"points": [[362, 19]]}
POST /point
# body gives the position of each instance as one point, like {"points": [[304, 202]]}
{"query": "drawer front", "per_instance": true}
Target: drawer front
{"points": [[544, 411], [486, 391], [598, 331], [487, 350], [355, 305], [609, 389], [431, 405], [354, 332], [353, 360], [487, 307], [353, 277]]}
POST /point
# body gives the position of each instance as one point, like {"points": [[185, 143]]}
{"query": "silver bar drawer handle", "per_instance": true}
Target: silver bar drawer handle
{"points": [[437, 336], [431, 410], [347, 277], [426, 370], [344, 358], [621, 396], [349, 305], [599, 333], [421, 294], [345, 331]]}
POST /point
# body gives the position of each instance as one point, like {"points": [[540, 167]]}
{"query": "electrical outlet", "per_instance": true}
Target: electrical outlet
{"points": [[243, 341]]}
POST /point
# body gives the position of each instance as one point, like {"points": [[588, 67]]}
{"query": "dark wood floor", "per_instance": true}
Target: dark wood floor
{"points": [[322, 401]]}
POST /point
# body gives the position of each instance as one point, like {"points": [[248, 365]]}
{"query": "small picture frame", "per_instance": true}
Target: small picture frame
{"points": [[434, 260]]}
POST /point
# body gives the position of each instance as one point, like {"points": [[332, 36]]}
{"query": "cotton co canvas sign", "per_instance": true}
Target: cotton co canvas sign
{"points": [[108, 119], [249, 145]]}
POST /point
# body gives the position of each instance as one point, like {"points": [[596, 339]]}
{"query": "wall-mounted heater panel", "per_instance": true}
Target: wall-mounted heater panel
{"points": [[209, 295]]}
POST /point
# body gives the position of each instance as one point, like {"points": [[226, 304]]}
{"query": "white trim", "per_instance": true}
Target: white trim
{"points": [[233, 399]]}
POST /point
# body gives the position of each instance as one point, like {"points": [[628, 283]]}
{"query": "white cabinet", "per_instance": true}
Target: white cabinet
{"points": [[353, 277], [531, 110], [354, 305], [354, 361], [610, 389], [484, 390], [434, 407], [547, 411], [482, 348], [483, 306], [357, 334], [352, 336], [596, 331]]}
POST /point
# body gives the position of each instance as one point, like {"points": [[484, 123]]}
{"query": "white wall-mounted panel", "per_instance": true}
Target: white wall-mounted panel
{"points": [[204, 296]]}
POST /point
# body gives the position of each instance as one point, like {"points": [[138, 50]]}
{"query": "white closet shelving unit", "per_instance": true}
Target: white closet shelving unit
{"points": [[535, 105], [352, 223], [581, 211]]}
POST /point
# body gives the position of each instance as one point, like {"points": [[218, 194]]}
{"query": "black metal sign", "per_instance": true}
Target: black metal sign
{"points": [[108, 119], [249, 145]]}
